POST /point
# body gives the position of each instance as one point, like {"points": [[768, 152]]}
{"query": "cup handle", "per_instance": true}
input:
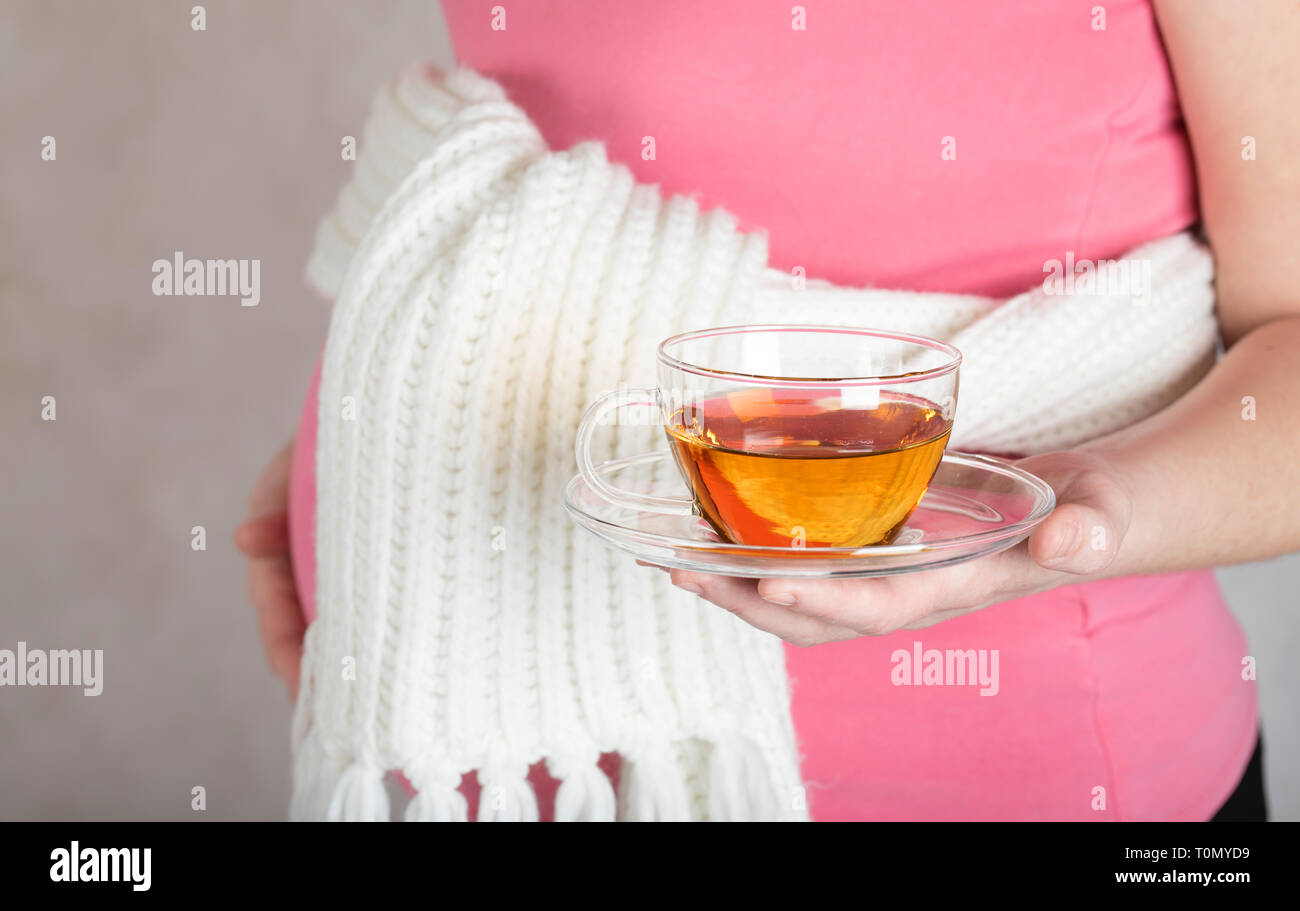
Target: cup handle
{"points": [[606, 404]]}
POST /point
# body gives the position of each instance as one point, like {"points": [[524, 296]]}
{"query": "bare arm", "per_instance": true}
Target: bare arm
{"points": [[1214, 476]]}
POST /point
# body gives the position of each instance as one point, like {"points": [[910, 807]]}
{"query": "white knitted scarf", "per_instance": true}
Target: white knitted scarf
{"points": [[486, 290]]}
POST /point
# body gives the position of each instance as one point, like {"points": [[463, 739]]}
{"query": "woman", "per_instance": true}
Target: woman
{"points": [[962, 147]]}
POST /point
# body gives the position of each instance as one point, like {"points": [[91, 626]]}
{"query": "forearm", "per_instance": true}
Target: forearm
{"points": [[1213, 476]]}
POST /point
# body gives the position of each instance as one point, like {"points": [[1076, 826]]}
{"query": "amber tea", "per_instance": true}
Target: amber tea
{"points": [[790, 436], [788, 468]]}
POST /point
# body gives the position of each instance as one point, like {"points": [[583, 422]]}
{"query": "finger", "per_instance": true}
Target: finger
{"points": [[879, 606], [280, 621], [271, 490], [940, 616], [284, 657], [652, 565], [740, 596], [868, 606], [264, 536]]}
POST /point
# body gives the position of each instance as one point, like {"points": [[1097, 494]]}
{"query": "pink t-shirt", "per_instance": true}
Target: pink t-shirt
{"points": [[928, 145]]}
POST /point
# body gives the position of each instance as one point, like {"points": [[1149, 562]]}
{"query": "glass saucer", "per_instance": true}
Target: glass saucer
{"points": [[975, 506]]}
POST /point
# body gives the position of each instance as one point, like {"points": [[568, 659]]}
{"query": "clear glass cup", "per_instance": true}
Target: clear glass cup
{"points": [[793, 436]]}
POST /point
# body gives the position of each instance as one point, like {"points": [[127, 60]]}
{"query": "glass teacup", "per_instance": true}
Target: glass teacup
{"points": [[794, 436]]}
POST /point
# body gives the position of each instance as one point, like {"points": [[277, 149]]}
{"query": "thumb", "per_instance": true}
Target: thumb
{"points": [[1084, 533]]}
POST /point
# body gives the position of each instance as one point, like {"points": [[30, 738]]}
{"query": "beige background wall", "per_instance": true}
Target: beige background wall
{"points": [[221, 143]]}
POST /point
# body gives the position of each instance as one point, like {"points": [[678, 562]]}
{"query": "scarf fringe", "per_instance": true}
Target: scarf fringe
{"points": [[437, 797], [655, 786], [507, 797], [585, 794], [652, 790], [359, 795], [739, 785], [437, 805]]}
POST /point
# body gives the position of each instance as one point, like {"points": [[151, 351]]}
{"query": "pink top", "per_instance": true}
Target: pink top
{"points": [[927, 145]]}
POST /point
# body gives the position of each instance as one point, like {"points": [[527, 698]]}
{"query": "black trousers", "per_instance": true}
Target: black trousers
{"points": [[1246, 804]]}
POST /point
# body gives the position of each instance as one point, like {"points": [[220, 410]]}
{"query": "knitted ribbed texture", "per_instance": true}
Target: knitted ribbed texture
{"points": [[1043, 371], [496, 292], [487, 290]]}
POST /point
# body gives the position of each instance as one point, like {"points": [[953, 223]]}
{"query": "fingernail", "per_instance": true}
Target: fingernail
{"points": [[785, 599], [689, 587], [1069, 543]]}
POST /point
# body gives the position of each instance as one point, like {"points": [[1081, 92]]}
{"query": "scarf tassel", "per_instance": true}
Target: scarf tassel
{"points": [[585, 793], [437, 803], [359, 795], [740, 789], [507, 797], [437, 795], [316, 773], [654, 789]]}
